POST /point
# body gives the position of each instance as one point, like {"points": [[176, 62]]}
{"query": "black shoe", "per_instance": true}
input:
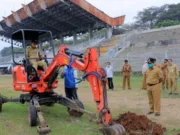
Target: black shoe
{"points": [[150, 113], [129, 89], [170, 93], [157, 114], [175, 93]]}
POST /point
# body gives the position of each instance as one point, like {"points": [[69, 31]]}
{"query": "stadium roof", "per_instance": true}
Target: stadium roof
{"points": [[61, 17]]}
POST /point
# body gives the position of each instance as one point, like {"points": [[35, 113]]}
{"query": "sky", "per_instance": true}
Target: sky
{"points": [[113, 8]]}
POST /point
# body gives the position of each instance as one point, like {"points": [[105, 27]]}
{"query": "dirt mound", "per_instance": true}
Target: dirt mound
{"points": [[139, 125]]}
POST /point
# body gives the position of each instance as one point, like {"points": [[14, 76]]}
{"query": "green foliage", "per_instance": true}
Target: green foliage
{"points": [[156, 17], [68, 42], [149, 16], [166, 23], [172, 13], [56, 42]]}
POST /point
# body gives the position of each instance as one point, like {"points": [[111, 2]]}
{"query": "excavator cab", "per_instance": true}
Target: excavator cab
{"points": [[20, 40]]}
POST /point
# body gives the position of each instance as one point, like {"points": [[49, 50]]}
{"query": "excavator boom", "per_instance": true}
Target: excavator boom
{"points": [[96, 76]]}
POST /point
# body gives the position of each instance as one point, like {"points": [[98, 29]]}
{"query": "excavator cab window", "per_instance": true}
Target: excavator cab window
{"points": [[22, 38]]}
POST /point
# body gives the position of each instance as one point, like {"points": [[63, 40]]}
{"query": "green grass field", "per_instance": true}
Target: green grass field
{"points": [[13, 118]]}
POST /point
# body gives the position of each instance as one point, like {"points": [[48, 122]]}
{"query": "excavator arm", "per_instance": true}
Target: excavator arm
{"points": [[96, 76]]}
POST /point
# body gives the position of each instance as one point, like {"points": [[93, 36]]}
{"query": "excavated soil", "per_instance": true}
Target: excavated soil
{"points": [[139, 124]]}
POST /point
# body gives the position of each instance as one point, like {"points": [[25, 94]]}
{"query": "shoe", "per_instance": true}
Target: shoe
{"points": [[175, 93], [129, 89], [170, 93], [150, 113], [157, 114]]}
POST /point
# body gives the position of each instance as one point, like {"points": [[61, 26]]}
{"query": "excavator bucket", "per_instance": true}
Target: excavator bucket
{"points": [[116, 129]]}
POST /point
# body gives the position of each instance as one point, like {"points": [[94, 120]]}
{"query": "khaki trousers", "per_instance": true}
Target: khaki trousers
{"points": [[154, 96], [41, 63], [172, 84], [144, 85], [126, 78], [165, 82]]}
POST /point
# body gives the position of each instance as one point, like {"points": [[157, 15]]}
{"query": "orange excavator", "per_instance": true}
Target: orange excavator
{"points": [[39, 85]]}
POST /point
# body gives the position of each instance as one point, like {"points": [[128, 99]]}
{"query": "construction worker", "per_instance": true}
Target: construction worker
{"points": [[34, 56], [153, 81], [144, 69], [70, 79], [109, 71], [126, 72], [172, 74], [164, 69]]}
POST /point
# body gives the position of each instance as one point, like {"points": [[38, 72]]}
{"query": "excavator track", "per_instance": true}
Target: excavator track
{"points": [[115, 129]]}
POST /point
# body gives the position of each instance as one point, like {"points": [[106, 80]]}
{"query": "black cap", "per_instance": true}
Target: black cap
{"points": [[34, 41], [126, 61], [151, 60]]}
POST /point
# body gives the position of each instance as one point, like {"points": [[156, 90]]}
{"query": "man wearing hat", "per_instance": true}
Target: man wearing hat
{"points": [[164, 71], [155, 64], [126, 72], [173, 74], [34, 56], [153, 80]]}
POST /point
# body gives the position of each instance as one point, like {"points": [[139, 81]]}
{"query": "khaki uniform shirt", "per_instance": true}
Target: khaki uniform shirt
{"points": [[156, 65], [33, 52], [153, 75], [164, 68], [172, 71], [126, 70]]}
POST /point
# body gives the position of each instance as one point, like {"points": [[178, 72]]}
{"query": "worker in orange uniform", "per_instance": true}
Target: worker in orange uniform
{"points": [[144, 69], [173, 74], [126, 72], [153, 81], [164, 69]]}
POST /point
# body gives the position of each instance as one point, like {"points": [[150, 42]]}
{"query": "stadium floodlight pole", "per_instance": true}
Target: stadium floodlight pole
{"points": [[127, 56], [166, 53]]}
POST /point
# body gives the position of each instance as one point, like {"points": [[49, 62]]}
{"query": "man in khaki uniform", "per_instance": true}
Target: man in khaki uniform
{"points": [[155, 64], [153, 80], [173, 74], [34, 56], [164, 71], [126, 71]]}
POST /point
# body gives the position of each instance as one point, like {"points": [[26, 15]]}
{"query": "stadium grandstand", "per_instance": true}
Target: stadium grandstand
{"points": [[137, 46], [64, 18]]}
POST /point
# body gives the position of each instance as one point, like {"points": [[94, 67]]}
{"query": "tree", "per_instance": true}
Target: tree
{"points": [[149, 16], [172, 13]]}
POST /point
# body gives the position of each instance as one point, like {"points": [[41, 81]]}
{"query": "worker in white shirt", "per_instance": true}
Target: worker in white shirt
{"points": [[144, 69], [109, 71]]}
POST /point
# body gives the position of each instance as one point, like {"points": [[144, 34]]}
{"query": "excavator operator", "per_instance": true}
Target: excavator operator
{"points": [[34, 56]]}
